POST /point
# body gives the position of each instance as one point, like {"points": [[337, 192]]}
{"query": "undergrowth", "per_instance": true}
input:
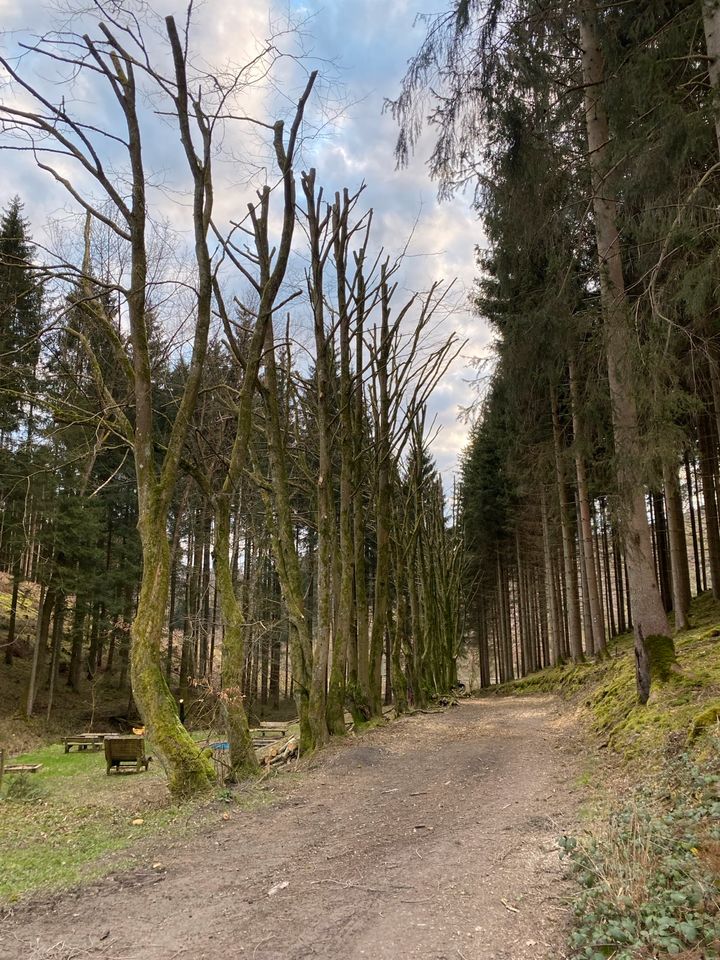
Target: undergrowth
{"points": [[650, 878]]}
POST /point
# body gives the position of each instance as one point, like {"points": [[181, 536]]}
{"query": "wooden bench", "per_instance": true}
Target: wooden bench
{"points": [[125, 750], [6, 767], [262, 736], [84, 740]]}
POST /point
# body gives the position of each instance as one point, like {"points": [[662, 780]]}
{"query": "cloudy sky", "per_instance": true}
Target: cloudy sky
{"points": [[362, 47]]}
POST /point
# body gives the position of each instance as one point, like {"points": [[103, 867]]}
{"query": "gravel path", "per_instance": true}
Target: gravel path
{"points": [[432, 838]]}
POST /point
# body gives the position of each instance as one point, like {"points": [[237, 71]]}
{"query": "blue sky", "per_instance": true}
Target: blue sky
{"points": [[362, 46]]}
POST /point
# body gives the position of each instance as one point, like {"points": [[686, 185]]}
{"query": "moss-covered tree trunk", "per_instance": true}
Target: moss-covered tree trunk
{"points": [[189, 771], [382, 507], [344, 640], [243, 759], [361, 693], [278, 511]]}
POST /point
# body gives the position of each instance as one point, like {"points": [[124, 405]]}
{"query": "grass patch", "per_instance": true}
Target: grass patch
{"points": [[71, 823], [58, 827]]}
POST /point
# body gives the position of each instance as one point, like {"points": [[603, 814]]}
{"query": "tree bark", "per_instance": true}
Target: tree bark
{"points": [[649, 615], [586, 533], [693, 527], [707, 474], [570, 568], [711, 25], [554, 627], [678, 547]]}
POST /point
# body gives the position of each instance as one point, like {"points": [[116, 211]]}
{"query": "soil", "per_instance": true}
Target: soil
{"points": [[433, 838]]}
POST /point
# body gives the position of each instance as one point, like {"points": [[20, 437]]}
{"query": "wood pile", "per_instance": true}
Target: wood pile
{"points": [[280, 752]]}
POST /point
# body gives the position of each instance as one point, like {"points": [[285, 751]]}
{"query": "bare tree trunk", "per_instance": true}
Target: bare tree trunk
{"points": [[586, 535], [10, 642], [649, 615], [606, 567], [568, 546], [57, 636], [707, 473], [554, 626], [691, 508], [662, 547], [699, 518], [678, 547], [43, 625]]}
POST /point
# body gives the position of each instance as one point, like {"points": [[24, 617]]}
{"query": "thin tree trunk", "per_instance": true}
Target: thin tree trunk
{"points": [[663, 550], [691, 508], [10, 642], [568, 546], [678, 547], [597, 620], [707, 473], [698, 516], [554, 627], [47, 603], [57, 636]]}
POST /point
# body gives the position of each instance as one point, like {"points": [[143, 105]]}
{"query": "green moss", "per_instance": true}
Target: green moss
{"points": [[685, 691], [661, 654], [372, 724], [706, 718]]}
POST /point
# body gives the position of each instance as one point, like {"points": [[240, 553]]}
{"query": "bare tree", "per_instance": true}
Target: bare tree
{"points": [[120, 65]]}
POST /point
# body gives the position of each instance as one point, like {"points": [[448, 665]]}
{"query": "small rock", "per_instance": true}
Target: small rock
{"points": [[277, 887]]}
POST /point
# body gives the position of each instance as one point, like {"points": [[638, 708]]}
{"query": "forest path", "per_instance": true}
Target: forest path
{"points": [[431, 838]]}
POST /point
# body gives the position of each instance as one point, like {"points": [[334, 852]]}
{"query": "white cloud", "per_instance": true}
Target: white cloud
{"points": [[369, 41]]}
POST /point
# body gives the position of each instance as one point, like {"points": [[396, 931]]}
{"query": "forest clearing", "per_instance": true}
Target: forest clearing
{"points": [[360, 551]]}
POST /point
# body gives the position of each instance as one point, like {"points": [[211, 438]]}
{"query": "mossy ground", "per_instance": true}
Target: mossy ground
{"points": [[687, 704]]}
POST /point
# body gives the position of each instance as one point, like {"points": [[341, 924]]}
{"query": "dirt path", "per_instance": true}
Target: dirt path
{"points": [[432, 838]]}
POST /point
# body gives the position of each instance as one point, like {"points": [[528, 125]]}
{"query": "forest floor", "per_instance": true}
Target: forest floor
{"points": [[433, 837]]}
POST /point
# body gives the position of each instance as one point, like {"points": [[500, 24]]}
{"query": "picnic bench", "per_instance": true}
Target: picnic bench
{"points": [[261, 736], [84, 740], [6, 767], [120, 749]]}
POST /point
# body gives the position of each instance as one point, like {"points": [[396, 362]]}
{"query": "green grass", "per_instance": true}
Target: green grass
{"points": [[70, 815], [60, 827], [71, 823]]}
